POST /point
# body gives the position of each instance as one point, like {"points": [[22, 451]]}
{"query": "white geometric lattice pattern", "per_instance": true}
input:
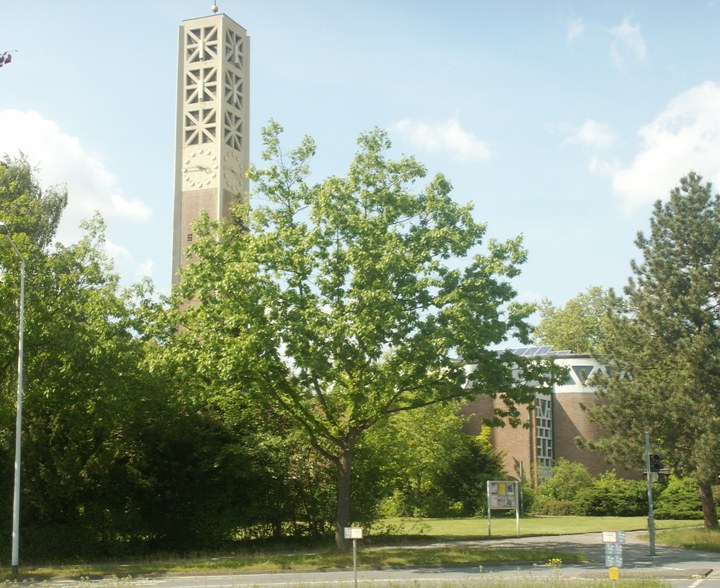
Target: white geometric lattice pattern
{"points": [[544, 433], [201, 85], [233, 90], [234, 49], [200, 126], [201, 44], [232, 131]]}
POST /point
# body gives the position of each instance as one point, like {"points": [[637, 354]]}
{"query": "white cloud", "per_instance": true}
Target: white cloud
{"points": [[575, 29], [447, 136], [684, 137], [627, 41], [62, 159], [595, 134], [604, 168]]}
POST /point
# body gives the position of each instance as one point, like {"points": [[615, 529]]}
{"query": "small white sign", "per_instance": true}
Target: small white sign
{"points": [[609, 536], [353, 533]]}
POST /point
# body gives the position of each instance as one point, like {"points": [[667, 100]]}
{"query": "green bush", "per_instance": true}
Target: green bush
{"points": [[556, 495], [545, 505], [567, 479], [528, 499], [679, 500], [612, 496]]}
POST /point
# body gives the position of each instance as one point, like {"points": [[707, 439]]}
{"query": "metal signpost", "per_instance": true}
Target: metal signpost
{"points": [[613, 541], [354, 533], [651, 515], [503, 495]]}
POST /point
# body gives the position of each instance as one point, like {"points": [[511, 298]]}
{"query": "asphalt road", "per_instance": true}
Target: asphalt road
{"points": [[680, 568]]}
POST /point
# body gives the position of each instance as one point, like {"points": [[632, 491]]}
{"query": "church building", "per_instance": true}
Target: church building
{"points": [[557, 428], [212, 155]]}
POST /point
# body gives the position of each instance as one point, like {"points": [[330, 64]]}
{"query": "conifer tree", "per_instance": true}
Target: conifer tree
{"points": [[664, 343]]}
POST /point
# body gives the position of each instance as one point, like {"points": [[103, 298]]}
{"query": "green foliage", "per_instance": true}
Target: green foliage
{"points": [[427, 466], [292, 487], [545, 505], [121, 453], [557, 495], [568, 478], [680, 499], [580, 325], [663, 344], [26, 208], [111, 460], [344, 302], [571, 490], [612, 496]]}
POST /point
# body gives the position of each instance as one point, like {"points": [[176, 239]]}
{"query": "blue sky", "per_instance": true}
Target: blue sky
{"points": [[561, 121]]}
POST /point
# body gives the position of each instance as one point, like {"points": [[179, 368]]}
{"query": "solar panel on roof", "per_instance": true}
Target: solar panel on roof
{"points": [[539, 351]]}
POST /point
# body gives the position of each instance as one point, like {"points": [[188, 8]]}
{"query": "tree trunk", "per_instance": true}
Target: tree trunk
{"points": [[342, 519], [708, 504]]}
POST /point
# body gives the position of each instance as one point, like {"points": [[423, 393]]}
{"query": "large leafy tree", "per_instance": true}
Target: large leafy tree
{"points": [[112, 458], [32, 216], [580, 325], [664, 343], [344, 302]]}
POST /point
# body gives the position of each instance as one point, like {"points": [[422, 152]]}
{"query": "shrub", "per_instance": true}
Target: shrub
{"points": [[556, 495], [528, 499], [612, 496], [567, 479], [545, 505], [679, 500]]}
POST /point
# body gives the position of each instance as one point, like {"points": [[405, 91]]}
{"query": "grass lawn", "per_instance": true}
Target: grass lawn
{"points": [[389, 543], [475, 528]]}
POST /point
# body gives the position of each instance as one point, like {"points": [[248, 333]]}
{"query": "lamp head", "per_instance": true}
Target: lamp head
{"points": [[3, 229]]}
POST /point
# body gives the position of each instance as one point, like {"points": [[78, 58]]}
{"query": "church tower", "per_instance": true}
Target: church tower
{"points": [[212, 155]]}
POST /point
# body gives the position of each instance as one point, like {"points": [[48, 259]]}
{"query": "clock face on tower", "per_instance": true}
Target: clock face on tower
{"points": [[199, 169], [232, 172]]}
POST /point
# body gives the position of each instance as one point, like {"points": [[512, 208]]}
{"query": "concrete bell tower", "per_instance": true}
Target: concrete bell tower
{"points": [[212, 155]]}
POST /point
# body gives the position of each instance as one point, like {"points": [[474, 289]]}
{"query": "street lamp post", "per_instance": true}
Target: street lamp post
{"points": [[18, 418]]}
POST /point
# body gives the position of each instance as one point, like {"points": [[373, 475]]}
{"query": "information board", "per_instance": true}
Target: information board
{"points": [[503, 495]]}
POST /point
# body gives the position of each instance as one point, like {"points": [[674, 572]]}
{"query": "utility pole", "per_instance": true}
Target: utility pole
{"points": [[651, 516], [15, 555]]}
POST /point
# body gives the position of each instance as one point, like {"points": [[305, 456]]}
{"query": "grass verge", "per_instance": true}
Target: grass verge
{"points": [[393, 543], [694, 538]]}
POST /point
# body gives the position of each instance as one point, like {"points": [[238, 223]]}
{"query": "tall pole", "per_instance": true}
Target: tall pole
{"points": [[651, 516], [18, 417]]}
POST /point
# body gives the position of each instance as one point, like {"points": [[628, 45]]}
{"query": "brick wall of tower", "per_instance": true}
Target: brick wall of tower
{"points": [[194, 203]]}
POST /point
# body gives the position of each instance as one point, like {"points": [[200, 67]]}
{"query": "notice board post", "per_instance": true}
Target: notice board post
{"points": [[503, 495]]}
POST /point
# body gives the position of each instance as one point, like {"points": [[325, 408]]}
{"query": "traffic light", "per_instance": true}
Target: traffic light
{"points": [[656, 462]]}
